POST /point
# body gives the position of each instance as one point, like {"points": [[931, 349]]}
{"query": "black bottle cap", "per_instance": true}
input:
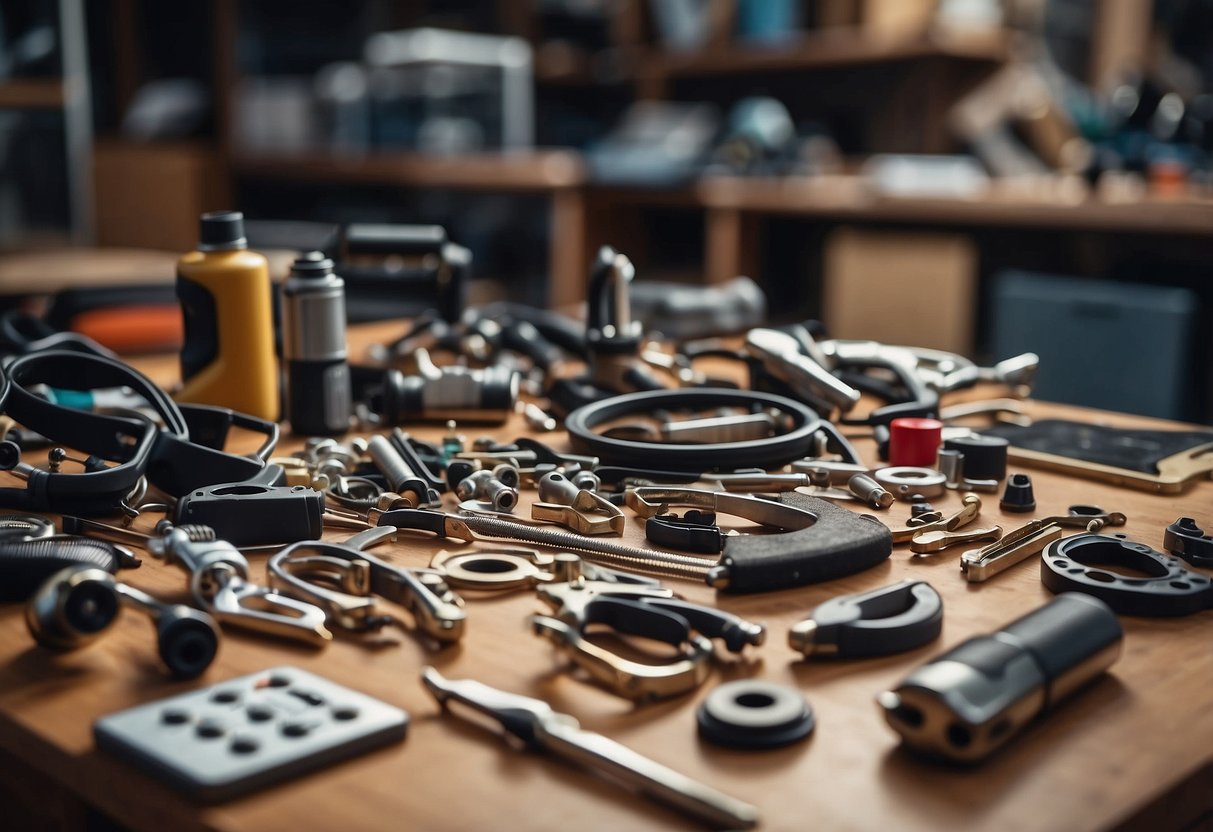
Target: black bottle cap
{"points": [[1018, 495], [221, 230], [312, 264]]}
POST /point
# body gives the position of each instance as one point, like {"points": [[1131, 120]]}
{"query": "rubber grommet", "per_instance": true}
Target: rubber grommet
{"points": [[750, 713]]}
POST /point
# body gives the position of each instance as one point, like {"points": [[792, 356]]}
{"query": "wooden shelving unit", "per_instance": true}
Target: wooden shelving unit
{"points": [[31, 94], [538, 170], [848, 198], [825, 49], [926, 67]]}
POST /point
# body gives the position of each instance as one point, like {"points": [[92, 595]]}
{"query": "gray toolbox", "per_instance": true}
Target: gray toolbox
{"points": [[1117, 346]]}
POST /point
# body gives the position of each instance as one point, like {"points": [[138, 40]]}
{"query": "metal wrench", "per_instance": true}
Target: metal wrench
{"points": [[967, 514], [543, 729]]}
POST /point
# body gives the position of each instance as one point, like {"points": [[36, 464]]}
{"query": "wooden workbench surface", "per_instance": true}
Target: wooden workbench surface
{"points": [[1135, 746]]}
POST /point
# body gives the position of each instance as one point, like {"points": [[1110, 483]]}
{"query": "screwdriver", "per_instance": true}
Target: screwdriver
{"points": [[543, 729]]}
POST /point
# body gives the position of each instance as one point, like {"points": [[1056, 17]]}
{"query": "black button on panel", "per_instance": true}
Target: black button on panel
{"points": [[245, 745], [260, 713], [174, 716], [297, 729], [210, 729]]}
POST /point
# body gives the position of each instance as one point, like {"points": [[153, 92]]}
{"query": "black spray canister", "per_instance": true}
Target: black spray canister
{"points": [[313, 348]]}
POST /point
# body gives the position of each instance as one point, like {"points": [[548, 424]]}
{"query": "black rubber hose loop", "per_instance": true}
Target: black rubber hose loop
{"points": [[765, 453]]}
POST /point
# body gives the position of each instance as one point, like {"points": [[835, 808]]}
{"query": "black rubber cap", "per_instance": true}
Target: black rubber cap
{"points": [[1018, 496], [750, 713], [312, 264], [985, 456], [222, 229]]}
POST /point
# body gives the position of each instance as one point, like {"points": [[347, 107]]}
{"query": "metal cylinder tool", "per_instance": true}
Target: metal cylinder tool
{"points": [[964, 705], [318, 389]]}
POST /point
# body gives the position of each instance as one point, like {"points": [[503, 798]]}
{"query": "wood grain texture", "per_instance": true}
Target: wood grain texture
{"points": [[1101, 759]]}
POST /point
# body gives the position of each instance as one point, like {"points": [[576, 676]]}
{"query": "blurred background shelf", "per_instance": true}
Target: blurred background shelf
{"points": [[31, 94], [532, 170], [828, 49], [706, 138], [846, 198]]}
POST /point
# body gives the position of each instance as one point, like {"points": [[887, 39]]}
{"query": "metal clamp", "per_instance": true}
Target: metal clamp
{"points": [[219, 581], [647, 611], [436, 610], [891, 619], [577, 509], [982, 564], [509, 569]]}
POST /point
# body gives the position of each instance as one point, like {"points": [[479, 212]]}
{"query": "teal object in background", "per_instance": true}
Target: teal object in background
{"points": [[768, 21]]}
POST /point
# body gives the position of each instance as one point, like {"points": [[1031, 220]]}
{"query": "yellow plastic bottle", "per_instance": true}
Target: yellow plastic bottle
{"points": [[228, 357]]}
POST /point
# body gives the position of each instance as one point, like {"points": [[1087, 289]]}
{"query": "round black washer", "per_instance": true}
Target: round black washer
{"points": [[761, 453], [754, 714]]}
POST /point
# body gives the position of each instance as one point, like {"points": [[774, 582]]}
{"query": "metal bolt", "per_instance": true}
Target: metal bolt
{"points": [[870, 491]]}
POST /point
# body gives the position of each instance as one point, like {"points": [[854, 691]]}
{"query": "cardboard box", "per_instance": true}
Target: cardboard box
{"points": [[916, 289]]}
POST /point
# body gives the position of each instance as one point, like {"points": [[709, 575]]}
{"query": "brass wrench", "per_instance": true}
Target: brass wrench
{"points": [[925, 543], [968, 513]]}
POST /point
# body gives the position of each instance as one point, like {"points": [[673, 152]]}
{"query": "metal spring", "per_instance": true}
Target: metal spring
{"points": [[194, 532], [620, 554]]}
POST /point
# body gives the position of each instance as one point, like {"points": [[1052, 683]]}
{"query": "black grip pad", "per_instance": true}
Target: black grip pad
{"points": [[25, 564], [840, 543]]}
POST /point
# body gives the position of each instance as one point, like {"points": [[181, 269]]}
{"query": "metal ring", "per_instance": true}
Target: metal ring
{"points": [[907, 480], [491, 570], [771, 452]]}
